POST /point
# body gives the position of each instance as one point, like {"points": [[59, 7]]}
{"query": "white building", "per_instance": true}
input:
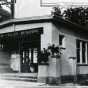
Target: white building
{"points": [[22, 39]]}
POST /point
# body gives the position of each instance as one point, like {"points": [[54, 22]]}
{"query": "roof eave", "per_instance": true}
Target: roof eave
{"points": [[39, 19]]}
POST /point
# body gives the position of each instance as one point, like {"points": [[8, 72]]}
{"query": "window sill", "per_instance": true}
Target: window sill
{"points": [[82, 64]]}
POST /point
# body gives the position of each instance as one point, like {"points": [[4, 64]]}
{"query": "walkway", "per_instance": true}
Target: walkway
{"points": [[22, 84]]}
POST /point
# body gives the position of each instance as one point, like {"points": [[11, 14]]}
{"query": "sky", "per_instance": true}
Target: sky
{"points": [[29, 8]]}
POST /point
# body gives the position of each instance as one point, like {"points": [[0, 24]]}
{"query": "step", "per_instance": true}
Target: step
{"points": [[19, 76]]}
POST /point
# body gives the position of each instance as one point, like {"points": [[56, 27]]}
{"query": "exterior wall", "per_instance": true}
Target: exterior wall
{"points": [[15, 62], [9, 62], [46, 38], [70, 51], [68, 65], [83, 69], [63, 66], [4, 61], [55, 35]]}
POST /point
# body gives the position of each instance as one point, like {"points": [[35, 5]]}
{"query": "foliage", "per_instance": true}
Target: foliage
{"points": [[4, 15], [56, 11], [43, 56], [77, 15], [52, 50]]}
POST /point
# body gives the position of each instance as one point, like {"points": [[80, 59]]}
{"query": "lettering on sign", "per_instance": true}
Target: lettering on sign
{"points": [[64, 2]]}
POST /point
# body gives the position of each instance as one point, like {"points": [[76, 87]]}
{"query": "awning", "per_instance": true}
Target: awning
{"points": [[22, 32]]}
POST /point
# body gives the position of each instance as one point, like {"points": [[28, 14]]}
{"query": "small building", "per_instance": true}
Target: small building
{"points": [[22, 39]]}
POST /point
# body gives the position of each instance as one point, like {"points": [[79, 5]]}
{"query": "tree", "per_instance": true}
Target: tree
{"points": [[4, 15], [77, 15], [56, 11]]}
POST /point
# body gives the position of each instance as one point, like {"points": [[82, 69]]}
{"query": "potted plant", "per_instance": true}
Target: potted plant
{"points": [[47, 59], [52, 50], [54, 62], [43, 56]]}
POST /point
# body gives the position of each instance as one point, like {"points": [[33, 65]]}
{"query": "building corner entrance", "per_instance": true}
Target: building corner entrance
{"points": [[25, 43]]}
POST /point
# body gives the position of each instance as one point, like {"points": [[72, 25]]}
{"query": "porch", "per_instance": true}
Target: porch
{"points": [[19, 50], [32, 77]]}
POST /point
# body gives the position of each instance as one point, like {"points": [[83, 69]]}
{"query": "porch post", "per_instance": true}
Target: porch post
{"points": [[54, 74], [42, 73]]}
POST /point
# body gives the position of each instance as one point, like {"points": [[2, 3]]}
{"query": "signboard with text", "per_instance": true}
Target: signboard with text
{"points": [[64, 2]]}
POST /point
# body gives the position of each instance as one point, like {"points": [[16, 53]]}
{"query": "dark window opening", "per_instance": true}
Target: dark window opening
{"points": [[83, 52], [78, 50], [61, 37]]}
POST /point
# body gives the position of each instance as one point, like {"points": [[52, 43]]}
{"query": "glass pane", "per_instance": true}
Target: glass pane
{"points": [[61, 37], [83, 52], [35, 55], [78, 50], [78, 56], [29, 53]]}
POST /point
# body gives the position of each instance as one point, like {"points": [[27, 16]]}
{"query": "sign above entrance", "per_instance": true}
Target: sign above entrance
{"points": [[64, 3]]}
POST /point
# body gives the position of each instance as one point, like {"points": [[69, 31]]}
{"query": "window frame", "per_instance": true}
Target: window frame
{"points": [[81, 51], [62, 40]]}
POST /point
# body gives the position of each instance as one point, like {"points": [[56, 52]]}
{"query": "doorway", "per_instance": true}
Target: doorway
{"points": [[30, 48], [29, 62]]}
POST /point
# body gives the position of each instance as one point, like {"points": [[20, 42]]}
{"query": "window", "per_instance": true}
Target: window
{"points": [[61, 38], [78, 50], [82, 50]]}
